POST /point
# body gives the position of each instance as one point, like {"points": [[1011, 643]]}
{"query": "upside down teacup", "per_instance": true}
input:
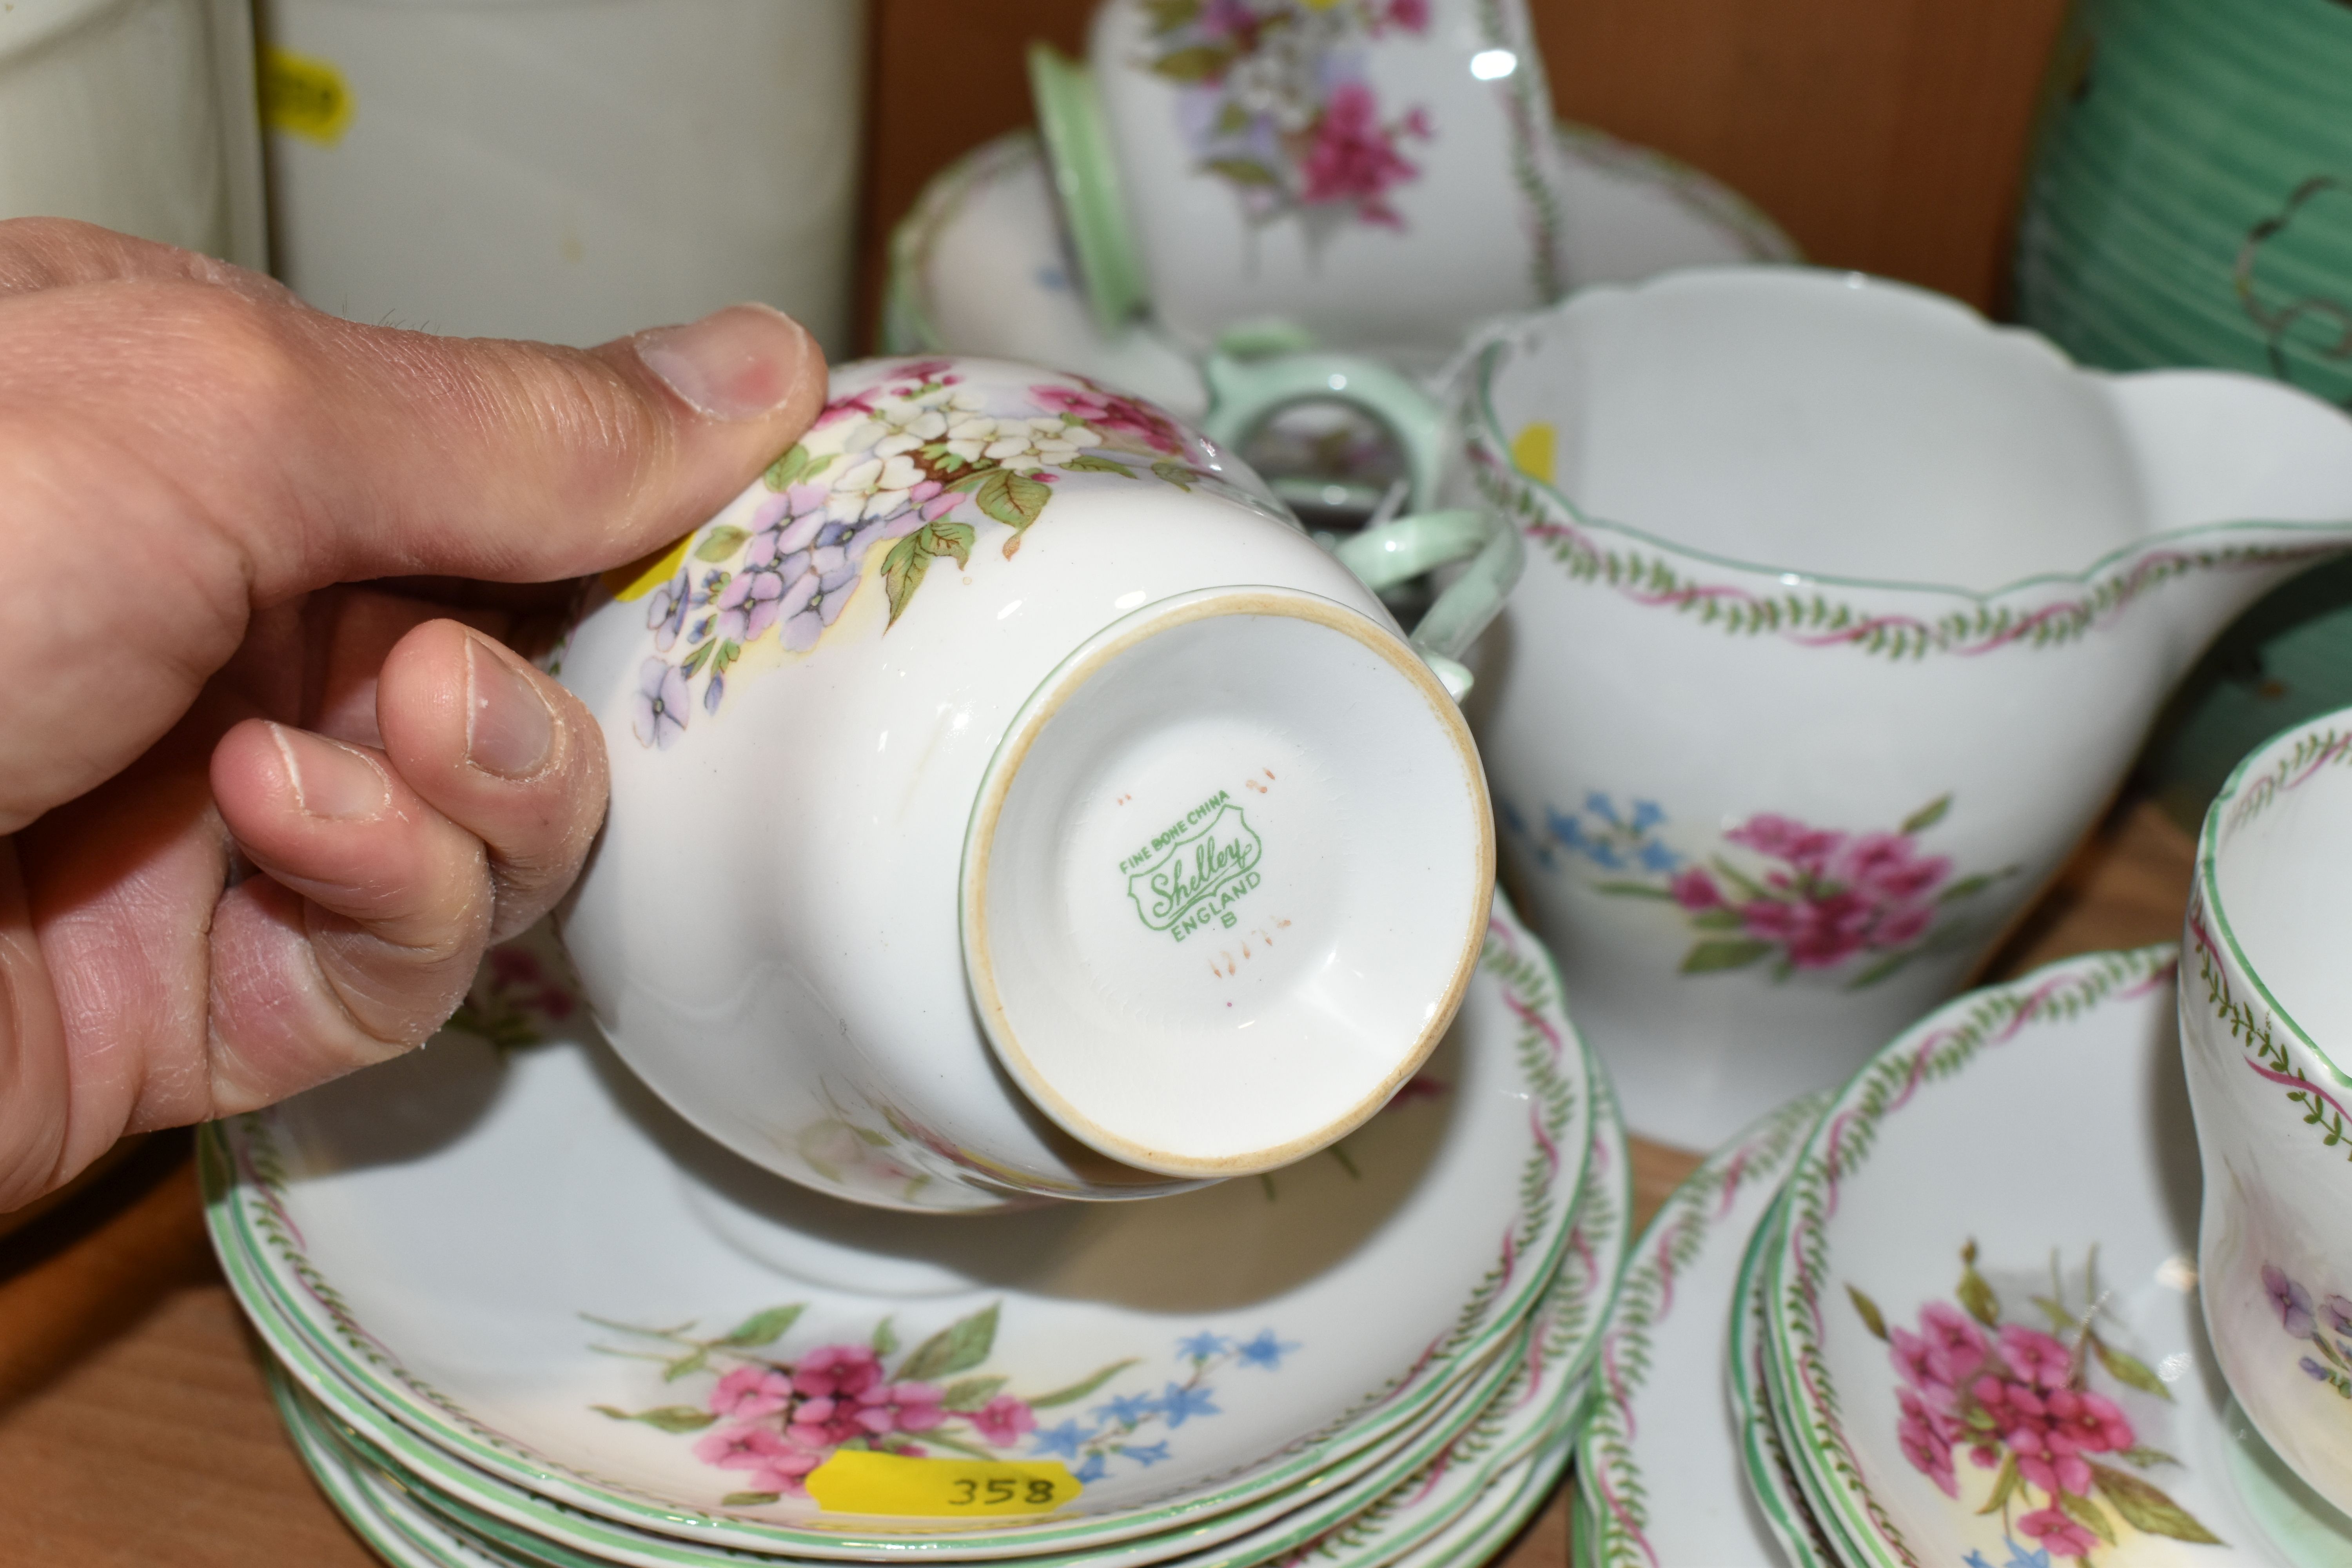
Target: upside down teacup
{"points": [[2266, 1032], [1844, 614], [1009, 798], [1342, 174]]}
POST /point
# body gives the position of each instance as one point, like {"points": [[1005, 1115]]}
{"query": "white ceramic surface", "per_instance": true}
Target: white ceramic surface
{"points": [[952, 755], [1376, 173], [1984, 1338], [2266, 1023], [136, 115], [1660, 1468], [1247, 1336], [1913, 583], [571, 170]]}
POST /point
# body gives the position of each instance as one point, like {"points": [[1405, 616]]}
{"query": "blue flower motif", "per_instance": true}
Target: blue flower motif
{"points": [[1179, 1404], [1146, 1454], [1201, 1346], [1090, 1472], [1601, 806], [1657, 856], [1264, 1350], [1647, 813], [1512, 820], [1128, 1409], [1565, 828], [2315, 1369], [1604, 856], [2019, 1557], [1062, 1439]]}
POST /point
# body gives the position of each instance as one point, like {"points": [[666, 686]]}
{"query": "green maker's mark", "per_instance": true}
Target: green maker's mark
{"points": [[1193, 871]]}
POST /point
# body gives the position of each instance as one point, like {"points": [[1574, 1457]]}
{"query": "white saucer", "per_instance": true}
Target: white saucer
{"points": [[1433, 1503], [456, 1235], [2008, 1193], [1659, 1469], [1773, 1488]]}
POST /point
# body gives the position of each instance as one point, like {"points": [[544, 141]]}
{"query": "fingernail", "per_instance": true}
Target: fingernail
{"points": [[509, 728], [735, 363], [331, 779]]}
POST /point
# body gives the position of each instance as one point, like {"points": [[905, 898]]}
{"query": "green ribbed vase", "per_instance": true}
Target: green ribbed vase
{"points": [[2190, 204]]}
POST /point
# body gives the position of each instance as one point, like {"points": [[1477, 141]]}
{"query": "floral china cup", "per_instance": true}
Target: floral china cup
{"points": [[2265, 1024], [1845, 614], [1352, 173], [1006, 790]]}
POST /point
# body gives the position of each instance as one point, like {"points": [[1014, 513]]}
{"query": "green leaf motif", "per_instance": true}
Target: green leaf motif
{"points": [[786, 470], [958, 1347], [2129, 1370], [749, 1499], [692, 1362], [667, 1417], [2088, 1514], [2003, 1485], [698, 658], [1199, 63], [1927, 815], [2145, 1506], [1978, 1296], [968, 1394], [2060, 1320], [911, 557], [1233, 117], [1966, 887], [1181, 475], [1083, 1387], [1012, 500], [1709, 957], [1633, 890], [886, 1339], [1881, 969], [763, 1328], [1088, 463], [1243, 172], [2143, 1456], [722, 542], [1872, 1318], [1166, 16]]}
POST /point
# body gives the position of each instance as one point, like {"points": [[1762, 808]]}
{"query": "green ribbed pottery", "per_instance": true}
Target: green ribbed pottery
{"points": [[2190, 204]]}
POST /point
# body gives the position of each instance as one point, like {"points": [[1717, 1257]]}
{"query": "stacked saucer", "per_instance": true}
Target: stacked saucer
{"points": [[1955, 1308], [520, 1313]]}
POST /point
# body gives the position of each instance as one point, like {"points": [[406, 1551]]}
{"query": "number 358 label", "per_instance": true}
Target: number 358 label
{"points": [[857, 1480]]}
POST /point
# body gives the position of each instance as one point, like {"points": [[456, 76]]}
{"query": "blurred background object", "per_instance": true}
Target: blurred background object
{"points": [[571, 170], [134, 114], [2189, 203]]}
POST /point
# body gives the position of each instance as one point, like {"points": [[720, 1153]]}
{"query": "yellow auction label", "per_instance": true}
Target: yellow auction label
{"points": [[646, 572], [1532, 450], [304, 95], [858, 1480]]}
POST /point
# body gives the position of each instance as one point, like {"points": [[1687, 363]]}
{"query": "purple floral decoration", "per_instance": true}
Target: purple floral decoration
{"points": [[2325, 1326]]}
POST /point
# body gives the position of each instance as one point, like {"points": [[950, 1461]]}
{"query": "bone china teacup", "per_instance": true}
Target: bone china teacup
{"points": [[1354, 174], [2266, 1032], [1009, 798], [1845, 612]]}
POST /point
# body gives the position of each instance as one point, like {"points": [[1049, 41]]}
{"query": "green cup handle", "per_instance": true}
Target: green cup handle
{"points": [[1391, 552], [1242, 393]]}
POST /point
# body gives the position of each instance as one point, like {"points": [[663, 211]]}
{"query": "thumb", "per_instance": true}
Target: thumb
{"points": [[175, 453]]}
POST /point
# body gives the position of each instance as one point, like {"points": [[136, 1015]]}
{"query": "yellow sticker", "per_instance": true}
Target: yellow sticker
{"points": [[304, 95], [1531, 449], [858, 1480], [646, 572]]}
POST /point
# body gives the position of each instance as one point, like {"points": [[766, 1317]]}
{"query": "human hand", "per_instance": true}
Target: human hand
{"points": [[255, 829]]}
